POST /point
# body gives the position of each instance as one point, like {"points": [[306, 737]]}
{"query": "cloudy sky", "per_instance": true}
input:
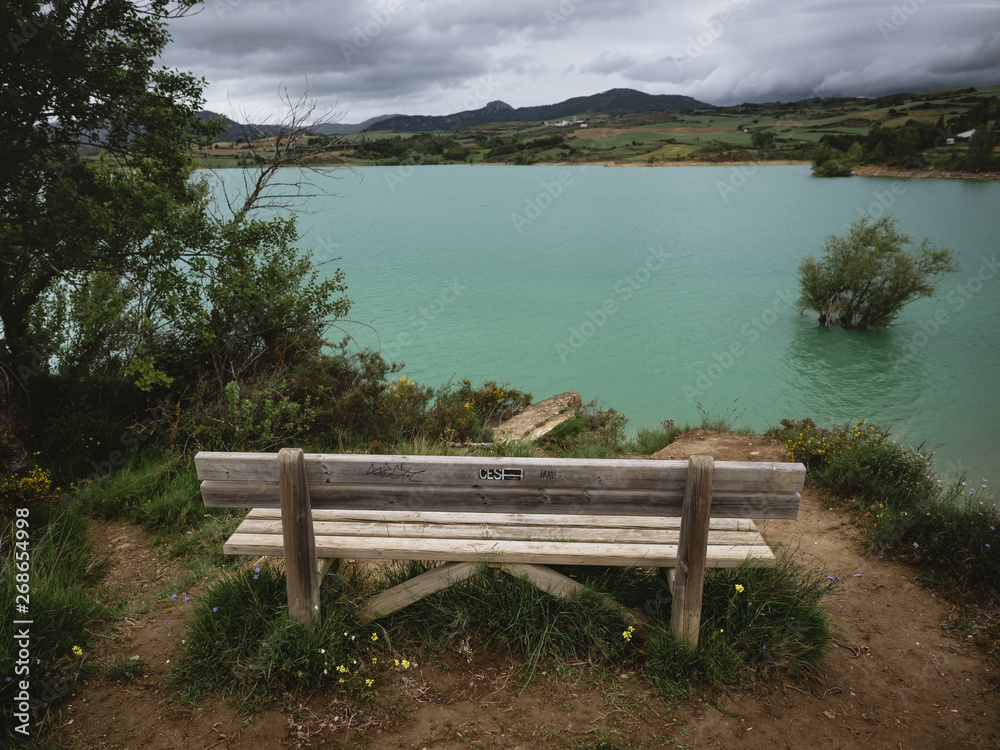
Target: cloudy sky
{"points": [[361, 58]]}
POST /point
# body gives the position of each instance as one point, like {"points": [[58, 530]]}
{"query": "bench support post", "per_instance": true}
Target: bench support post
{"points": [[298, 537], [692, 551]]}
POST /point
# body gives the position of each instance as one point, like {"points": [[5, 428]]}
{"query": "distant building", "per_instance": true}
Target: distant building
{"points": [[966, 135]]}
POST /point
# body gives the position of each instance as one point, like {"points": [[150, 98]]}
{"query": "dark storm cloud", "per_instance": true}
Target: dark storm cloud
{"points": [[440, 56]]}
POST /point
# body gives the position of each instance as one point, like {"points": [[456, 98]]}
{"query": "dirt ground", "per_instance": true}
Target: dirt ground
{"points": [[901, 675]]}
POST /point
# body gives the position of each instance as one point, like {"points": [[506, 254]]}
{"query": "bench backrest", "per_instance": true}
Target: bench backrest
{"points": [[503, 485]]}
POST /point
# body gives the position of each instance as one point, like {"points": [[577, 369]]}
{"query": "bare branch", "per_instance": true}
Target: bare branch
{"points": [[273, 147]]}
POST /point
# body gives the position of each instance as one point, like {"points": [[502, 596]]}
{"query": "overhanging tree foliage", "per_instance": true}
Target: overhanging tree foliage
{"points": [[117, 277], [867, 275], [109, 247]]}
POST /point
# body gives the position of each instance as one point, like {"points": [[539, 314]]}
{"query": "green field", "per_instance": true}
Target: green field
{"points": [[708, 134]]}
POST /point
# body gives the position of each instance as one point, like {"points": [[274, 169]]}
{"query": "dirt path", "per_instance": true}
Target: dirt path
{"points": [[897, 678]]}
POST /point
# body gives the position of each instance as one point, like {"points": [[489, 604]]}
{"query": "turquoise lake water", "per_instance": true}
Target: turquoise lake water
{"points": [[655, 289]]}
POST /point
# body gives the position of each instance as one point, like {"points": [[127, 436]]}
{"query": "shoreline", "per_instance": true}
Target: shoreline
{"points": [[864, 170], [874, 170]]}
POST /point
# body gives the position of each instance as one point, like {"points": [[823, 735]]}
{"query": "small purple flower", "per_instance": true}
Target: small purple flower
{"points": [[857, 575], [915, 545], [166, 621], [7, 680], [186, 599], [987, 546], [215, 609], [993, 528], [173, 596]]}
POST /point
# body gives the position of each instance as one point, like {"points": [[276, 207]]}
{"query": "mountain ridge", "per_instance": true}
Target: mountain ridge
{"points": [[613, 101]]}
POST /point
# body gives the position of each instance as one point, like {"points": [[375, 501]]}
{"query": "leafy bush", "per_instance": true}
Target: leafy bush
{"points": [[866, 276], [22, 489], [834, 168], [883, 472], [952, 537], [815, 446], [592, 433], [262, 414]]}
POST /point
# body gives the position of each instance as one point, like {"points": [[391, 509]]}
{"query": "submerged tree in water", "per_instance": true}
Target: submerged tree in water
{"points": [[867, 275]]}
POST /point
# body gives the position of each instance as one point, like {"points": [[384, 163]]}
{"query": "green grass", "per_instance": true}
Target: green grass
{"points": [[649, 440], [241, 643], [954, 540], [160, 494], [775, 624], [727, 421], [947, 531], [127, 669], [62, 573], [499, 612]]}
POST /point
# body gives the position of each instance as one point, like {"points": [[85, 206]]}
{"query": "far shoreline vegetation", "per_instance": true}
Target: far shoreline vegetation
{"points": [[904, 135]]}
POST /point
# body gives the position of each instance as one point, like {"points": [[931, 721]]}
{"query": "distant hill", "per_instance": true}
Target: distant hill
{"points": [[235, 130], [614, 101]]}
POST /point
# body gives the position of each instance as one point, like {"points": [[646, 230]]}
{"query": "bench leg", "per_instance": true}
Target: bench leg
{"points": [[564, 587], [668, 576], [327, 565], [692, 551], [441, 577], [298, 537]]}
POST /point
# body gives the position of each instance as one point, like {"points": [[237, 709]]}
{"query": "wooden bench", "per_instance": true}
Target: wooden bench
{"points": [[518, 514]]}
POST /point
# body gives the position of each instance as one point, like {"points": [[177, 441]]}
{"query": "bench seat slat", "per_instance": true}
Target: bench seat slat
{"points": [[481, 530], [475, 550], [509, 519]]}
